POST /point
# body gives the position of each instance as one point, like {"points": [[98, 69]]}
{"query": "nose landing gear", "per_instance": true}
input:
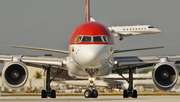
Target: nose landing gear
{"points": [[91, 91]]}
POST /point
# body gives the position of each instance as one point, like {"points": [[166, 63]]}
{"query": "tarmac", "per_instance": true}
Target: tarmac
{"points": [[99, 99]]}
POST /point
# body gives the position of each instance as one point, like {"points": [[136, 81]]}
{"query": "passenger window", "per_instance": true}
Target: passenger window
{"points": [[97, 39], [86, 39]]}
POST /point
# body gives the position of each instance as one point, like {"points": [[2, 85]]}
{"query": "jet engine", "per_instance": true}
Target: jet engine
{"points": [[14, 74], [165, 75]]}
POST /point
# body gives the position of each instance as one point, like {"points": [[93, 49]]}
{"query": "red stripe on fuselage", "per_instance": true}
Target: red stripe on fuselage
{"points": [[91, 29], [92, 43]]}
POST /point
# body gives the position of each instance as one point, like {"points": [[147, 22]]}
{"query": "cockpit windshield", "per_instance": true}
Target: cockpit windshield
{"points": [[150, 27], [81, 38], [77, 39], [97, 39], [86, 39], [106, 39]]}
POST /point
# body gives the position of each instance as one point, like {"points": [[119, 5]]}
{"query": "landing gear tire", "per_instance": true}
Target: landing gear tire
{"points": [[121, 38], [134, 95], [125, 94], [53, 94], [48, 92], [87, 93], [43, 94], [94, 93], [129, 92]]}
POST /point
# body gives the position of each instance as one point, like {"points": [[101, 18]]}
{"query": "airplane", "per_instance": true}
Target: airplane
{"points": [[126, 31], [90, 56]]}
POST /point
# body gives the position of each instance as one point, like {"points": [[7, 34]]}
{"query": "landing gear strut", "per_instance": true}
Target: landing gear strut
{"points": [[48, 92], [91, 91], [130, 92]]}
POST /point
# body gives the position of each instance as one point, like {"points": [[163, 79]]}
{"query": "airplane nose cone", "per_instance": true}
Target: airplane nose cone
{"points": [[159, 31], [91, 56]]}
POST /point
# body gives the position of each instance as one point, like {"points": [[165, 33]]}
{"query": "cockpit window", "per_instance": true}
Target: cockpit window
{"points": [[109, 40], [150, 27], [86, 39], [91, 39], [97, 39], [105, 39], [79, 39], [75, 39]]}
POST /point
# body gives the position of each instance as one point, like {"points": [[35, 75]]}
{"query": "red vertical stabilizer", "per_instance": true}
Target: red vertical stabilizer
{"points": [[87, 12]]}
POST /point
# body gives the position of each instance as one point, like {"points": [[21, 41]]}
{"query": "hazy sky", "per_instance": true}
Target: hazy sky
{"points": [[49, 23]]}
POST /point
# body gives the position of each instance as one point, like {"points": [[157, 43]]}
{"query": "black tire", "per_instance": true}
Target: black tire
{"points": [[94, 93], [134, 95], [125, 94], [87, 93], [121, 38], [43, 94], [53, 94]]}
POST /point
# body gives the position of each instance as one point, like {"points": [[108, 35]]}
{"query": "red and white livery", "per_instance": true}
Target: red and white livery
{"points": [[90, 56]]}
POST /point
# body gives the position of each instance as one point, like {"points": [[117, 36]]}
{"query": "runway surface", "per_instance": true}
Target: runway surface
{"points": [[99, 99]]}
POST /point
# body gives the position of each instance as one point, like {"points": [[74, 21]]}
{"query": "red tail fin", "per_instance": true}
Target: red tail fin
{"points": [[87, 12]]}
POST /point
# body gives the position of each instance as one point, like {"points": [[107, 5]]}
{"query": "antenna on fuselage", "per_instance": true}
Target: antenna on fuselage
{"points": [[87, 11]]}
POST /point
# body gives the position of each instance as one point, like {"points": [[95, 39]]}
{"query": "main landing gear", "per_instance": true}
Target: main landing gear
{"points": [[48, 92], [130, 92], [91, 91], [121, 38]]}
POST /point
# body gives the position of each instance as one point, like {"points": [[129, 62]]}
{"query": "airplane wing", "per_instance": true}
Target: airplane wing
{"points": [[165, 73], [35, 61], [41, 49], [144, 61], [117, 34], [140, 49], [125, 34]]}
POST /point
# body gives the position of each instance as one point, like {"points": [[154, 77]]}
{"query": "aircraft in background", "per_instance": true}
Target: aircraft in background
{"points": [[126, 31], [90, 56]]}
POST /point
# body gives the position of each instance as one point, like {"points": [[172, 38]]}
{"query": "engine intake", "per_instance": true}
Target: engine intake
{"points": [[15, 74], [165, 75]]}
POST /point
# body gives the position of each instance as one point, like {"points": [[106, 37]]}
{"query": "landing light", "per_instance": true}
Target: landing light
{"points": [[64, 62], [91, 79], [115, 62]]}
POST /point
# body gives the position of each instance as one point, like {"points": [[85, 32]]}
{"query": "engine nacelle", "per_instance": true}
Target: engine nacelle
{"points": [[15, 74], [165, 75]]}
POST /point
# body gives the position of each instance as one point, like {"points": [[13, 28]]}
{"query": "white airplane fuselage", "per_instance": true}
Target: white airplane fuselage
{"points": [[91, 56], [134, 30]]}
